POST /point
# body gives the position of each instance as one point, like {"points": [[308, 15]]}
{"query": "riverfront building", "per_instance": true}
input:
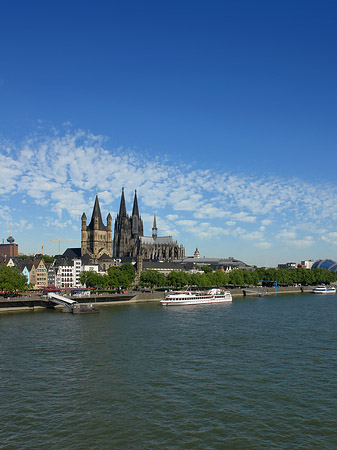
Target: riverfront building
{"points": [[327, 264], [224, 264], [128, 242]]}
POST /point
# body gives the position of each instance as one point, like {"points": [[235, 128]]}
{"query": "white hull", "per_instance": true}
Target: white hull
{"points": [[188, 298], [192, 302], [325, 293], [323, 290]]}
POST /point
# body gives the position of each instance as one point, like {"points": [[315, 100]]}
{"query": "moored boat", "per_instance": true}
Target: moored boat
{"points": [[175, 298], [323, 289], [84, 309]]}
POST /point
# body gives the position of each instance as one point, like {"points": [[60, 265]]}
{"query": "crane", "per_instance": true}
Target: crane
{"points": [[59, 241]]}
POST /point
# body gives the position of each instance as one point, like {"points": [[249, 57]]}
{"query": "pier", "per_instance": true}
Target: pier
{"points": [[255, 292]]}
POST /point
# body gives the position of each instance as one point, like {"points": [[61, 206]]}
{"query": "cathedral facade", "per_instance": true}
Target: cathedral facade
{"points": [[129, 240], [128, 230]]}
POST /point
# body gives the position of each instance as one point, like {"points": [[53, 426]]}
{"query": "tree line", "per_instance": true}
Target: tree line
{"points": [[123, 277], [152, 278]]}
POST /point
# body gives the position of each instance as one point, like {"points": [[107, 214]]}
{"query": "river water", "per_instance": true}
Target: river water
{"points": [[259, 373]]}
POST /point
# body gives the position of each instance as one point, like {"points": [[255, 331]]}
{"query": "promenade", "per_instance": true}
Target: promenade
{"points": [[31, 303]]}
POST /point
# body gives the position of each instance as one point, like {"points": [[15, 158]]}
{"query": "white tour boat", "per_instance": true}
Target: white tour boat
{"points": [[196, 298], [324, 289]]}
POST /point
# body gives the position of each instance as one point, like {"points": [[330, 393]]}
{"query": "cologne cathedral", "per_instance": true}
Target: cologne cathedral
{"points": [[129, 241]]}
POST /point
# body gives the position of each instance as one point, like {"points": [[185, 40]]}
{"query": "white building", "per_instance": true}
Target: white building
{"points": [[68, 274], [308, 263]]}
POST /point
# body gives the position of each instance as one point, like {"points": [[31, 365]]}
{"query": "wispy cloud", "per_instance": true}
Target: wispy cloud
{"points": [[331, 238], [61, 172]]}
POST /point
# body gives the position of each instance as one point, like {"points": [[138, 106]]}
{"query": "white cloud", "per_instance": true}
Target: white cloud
{"points": [[205, 230], [302, 243], [172, 217], [331, 238], [263, 245], [287, 234], [5, 215], [243, 217], [62, 170], [186, 223], [50, 222], [210, 212], [22, 225], [255, 235]]}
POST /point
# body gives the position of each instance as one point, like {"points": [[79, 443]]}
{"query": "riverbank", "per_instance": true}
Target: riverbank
{"points": [[38, 302]]}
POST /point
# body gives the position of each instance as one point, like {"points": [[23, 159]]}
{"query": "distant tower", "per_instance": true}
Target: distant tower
{"points": [[13, 248], [10, 249], [154, 228], [10, 238], [196, 253], [96, 238]]}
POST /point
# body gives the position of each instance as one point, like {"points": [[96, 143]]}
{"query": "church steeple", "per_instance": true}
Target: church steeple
{"points": [[135, 216], [122, 208], [96, 218], [135, 210], [154, 228]]}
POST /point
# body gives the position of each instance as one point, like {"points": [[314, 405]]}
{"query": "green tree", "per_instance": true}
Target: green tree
{"points": [[90, 279], [195, 280], [11, 279], [119, 278], [206, 280], [177, 279], [152, 278], [236, 277], [48, 259], [129, 270]]}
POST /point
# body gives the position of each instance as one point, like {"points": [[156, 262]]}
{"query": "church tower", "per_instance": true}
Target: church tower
{"points": [[127, 231], [96, 238], [137, 224], [129, 240]]}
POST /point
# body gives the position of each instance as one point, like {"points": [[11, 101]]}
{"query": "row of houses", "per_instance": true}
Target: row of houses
{"points": [[65, 270], [61, 273]]}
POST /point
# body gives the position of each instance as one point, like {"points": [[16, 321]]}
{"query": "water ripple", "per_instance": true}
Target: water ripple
{"points": [[256, 374]]}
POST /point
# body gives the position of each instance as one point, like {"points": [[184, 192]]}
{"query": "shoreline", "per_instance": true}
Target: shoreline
{"points": [[38, 303]]}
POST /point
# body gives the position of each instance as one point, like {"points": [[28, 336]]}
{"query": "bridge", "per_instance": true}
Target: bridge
{"points": [[60, 300]]}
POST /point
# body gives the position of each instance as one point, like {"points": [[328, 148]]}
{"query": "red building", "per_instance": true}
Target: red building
{"points": [[9, 249]]}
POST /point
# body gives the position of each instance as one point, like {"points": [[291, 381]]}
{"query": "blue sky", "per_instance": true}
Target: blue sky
{"points": [[222, 114]]}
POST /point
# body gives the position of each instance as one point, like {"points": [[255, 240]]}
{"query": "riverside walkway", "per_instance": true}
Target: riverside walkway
{"points": [[30, 303]]}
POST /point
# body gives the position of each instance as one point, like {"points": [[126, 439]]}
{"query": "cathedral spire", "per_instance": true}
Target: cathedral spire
{"points": [[122, 208], [154, 228], [135, 210]]}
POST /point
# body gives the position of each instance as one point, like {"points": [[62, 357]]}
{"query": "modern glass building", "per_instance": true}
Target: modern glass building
{"points": [[325, 264]]}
